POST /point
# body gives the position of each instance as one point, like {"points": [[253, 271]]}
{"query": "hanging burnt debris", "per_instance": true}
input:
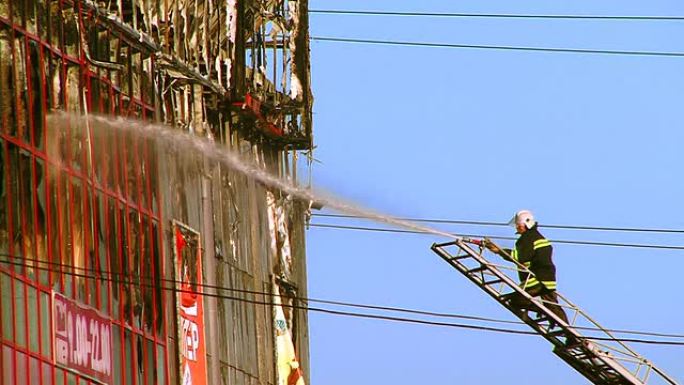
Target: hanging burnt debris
{"points": [[251, 56], [249, 60]]}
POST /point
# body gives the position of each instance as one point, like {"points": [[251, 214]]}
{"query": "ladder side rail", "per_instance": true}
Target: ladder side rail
{"points": [[447, 257], [568, 329], [603, 372], [664, 375], [596, 325], [608, 360], [642, 367], [521, 268], [615, 365], [629, 354], [576, 309], [605, 344], [496, 293], [622, 352], [512, 285]]}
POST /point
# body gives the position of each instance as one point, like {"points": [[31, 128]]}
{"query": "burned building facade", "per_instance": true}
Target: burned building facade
{"points": [[124, 260]]}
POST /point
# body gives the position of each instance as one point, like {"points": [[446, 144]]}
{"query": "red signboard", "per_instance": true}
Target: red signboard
{"points": [[193, 368], [82, 338]]}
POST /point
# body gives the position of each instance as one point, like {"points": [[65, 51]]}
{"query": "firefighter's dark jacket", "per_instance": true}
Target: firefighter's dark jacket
{"points": [[534, 251]]}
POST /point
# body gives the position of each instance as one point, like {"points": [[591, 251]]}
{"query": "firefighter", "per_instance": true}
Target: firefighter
{"points": [[534, 252]]}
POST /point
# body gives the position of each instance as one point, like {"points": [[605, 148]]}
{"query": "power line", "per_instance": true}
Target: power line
{"points": [[491, 15], [21, 262], [315, 309], [485, 319], [488, 223], [562, 241], [487, 328], [495, 47]]}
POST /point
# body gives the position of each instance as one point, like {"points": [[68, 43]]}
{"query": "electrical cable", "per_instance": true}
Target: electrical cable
{"points": [[562, 241], [220, 296], [495, 47], [490, 223], [492, 15], [313, 309], [485, 319]]}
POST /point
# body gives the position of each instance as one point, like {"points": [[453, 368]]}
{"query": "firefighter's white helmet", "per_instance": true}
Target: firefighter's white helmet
{"points": [[523, 217]]}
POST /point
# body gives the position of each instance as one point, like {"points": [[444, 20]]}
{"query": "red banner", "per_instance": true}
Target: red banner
{"points": [[193, 369], [82, 339]]}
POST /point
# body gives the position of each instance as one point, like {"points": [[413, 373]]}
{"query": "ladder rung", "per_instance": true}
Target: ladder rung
{"points": [[478, 269], [456, 258], [492, 282]]}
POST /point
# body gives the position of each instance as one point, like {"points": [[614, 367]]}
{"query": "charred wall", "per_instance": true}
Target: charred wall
{"points": [[75, 196]]}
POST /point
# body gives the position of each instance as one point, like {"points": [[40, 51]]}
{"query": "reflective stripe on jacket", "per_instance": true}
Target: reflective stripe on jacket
{"points": [[534, 252]]}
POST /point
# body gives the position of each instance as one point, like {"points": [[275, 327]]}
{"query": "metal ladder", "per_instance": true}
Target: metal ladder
{"points": [[600, 357]]}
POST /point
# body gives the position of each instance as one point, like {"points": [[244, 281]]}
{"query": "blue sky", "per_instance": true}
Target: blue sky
{"points": [[479, 134]]}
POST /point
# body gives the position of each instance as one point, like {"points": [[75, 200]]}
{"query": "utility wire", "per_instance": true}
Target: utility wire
{"points": [[485, 319], [495, 47], [22, 261], [487, 223], [491, 15], [563, 241], [323, 310]]}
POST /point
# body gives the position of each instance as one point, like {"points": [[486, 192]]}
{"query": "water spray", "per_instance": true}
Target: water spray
{"points": [[164, 134]]}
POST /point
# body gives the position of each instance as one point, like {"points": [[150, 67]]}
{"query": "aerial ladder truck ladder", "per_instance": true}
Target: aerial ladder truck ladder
{"points": [[600, 357]]}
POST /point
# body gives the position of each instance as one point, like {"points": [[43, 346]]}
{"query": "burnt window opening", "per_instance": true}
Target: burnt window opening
{"points": [[135, 308], [153, 165], [30, 17], [76, 134], [94, 95], [136, 73], [65, 232], [131, 169], [147, 281], [37, 94], [4, 9], [21, 198], [78, 234], [4, 229], [21, 130], [156, 258], [53, 226], [124, 58], [70, 32], [42, 17], [54, 24], [41, 220], [54, 82], [101, 265], [124, 285], [114, 251], [143, 170], [7, 84]]}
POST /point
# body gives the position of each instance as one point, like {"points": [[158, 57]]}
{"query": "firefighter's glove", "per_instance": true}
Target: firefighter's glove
{"points": [[491, 246]]}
